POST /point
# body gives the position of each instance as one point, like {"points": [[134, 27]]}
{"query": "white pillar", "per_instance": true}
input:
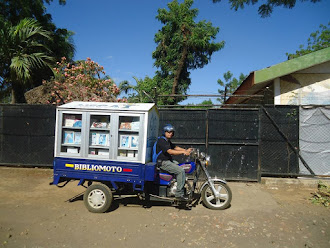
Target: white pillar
{"points": [[277, 91]]}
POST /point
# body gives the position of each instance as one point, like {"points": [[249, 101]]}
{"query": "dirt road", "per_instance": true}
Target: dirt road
{"points": [[35, 214]]}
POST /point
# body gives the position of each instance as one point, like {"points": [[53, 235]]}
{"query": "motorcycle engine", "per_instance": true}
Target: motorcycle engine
{"points": [[172, 188]]}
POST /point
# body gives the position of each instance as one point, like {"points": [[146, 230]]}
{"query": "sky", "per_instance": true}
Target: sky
{"points": [[119, 35]]}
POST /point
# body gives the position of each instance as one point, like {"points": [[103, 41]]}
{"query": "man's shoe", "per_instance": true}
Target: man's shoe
{"points": [[182, 198]]}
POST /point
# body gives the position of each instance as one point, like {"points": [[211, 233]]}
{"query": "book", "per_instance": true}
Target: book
{"points": [[130, 154], [103, 152], [100, 122], [135, 125], [72, 150], [122, 153], [77, 137], [77, 123], [93, 138], [72, 121], [124, 141], [99, 139], [102, 139], [125, 125], [68, 137], [134, 141], [96, 124], [68, 123]]}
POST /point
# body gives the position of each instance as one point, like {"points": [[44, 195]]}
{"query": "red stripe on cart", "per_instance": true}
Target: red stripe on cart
{"points": [[127, 170]]}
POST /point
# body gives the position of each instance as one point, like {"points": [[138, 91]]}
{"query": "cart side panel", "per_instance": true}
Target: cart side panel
{"points": [[152, 132], [150, 172], [98, 170]]}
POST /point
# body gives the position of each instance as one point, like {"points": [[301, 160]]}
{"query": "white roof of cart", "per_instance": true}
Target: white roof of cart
{"points": [[108, 106]]}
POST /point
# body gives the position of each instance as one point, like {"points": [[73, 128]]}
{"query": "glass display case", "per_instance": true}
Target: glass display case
{"points": [[71, 133], [106, 131], [128, 139], [99, 135]]}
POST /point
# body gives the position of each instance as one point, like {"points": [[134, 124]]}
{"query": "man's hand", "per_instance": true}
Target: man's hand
{"points": [[187, 151]]}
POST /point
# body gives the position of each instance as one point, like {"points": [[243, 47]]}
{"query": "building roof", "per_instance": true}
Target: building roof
{"points": [[258, 80]]}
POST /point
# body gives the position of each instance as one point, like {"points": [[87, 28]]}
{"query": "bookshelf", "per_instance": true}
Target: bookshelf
{"points": [[105, 131], [128, 136], [71, 133], [99, 135]]}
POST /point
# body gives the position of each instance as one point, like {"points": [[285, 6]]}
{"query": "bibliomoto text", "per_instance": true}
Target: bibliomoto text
{"points": [[93, 167]]}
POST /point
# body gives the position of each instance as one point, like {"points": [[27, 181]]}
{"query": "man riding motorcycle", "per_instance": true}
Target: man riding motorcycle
{"points": [[165, 150]]}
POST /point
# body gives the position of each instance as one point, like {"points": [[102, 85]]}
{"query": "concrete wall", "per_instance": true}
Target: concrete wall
{"points": [[308, 87]]}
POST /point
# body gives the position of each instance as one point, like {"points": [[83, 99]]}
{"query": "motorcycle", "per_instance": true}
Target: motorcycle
{"points": [[214, 193]]}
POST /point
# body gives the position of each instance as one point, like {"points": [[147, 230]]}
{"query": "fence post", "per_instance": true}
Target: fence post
{"points": [[156, 97], [259, 147], [207, 132]]}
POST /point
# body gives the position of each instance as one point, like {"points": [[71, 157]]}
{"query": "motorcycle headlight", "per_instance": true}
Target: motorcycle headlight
{"points": [[207, 160]]}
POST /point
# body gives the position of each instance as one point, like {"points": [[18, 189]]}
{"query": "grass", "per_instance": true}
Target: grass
{"points": [[322, 196]]}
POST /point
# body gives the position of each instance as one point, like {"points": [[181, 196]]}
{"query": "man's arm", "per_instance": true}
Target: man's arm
{"points": [[178, 151]]}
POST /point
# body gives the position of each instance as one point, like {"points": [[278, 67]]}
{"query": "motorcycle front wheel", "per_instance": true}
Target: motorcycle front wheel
{"points": [[220, 202]]}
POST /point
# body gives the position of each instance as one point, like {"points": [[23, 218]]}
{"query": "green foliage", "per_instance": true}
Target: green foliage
{"points": [[182, 45], [60, 44], [322, 196], [229, 85], [267, 8], [204, 104], [21, 53], [14, 11], [142, 92], [318, 40]]}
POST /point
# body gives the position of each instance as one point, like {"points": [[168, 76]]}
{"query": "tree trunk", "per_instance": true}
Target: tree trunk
{"points": [[13, 98], [17, 93], [179, 70]]}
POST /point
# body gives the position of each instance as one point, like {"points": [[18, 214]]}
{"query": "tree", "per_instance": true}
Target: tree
{"points": [[265, 9], [230, 85], [143, 91], [206, 104], [20, 53], [80, 81], [182, 45], [16, 10], [60, 44], [318, 40]]}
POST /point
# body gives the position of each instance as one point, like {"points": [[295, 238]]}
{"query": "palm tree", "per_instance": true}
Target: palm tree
{"points": [[139, 90], [126, 87], [21, 51]]}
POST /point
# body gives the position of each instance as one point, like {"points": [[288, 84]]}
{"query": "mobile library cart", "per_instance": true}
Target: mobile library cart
{"points": [[103, 141]]}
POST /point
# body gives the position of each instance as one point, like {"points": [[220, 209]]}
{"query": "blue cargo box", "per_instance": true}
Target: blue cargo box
{"points": [[103, 171]]}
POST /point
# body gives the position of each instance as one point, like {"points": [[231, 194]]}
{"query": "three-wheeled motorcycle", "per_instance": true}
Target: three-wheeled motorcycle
{"points": [[108, 146]]}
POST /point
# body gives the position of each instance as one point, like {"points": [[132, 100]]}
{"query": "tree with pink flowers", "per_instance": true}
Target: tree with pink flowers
{"points": [[81, 81]]}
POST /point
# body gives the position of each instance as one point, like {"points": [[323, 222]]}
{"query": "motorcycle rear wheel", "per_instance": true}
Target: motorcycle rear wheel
{"points": [[98, 198], [217, 203]]}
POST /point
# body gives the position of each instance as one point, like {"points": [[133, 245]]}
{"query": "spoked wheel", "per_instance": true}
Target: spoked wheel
{"points": [[222, 198], [98, 198]]}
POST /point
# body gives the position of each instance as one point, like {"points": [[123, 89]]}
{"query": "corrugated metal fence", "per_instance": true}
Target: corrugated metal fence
{"points": [[27, 135], [244, 144]]}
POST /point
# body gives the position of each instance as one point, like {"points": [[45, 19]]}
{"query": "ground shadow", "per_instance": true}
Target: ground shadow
{"points": [[131, 200]]}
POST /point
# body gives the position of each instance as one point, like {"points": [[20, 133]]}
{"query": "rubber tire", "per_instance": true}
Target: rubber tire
{"points": [[211, 206], [106, 194]]}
